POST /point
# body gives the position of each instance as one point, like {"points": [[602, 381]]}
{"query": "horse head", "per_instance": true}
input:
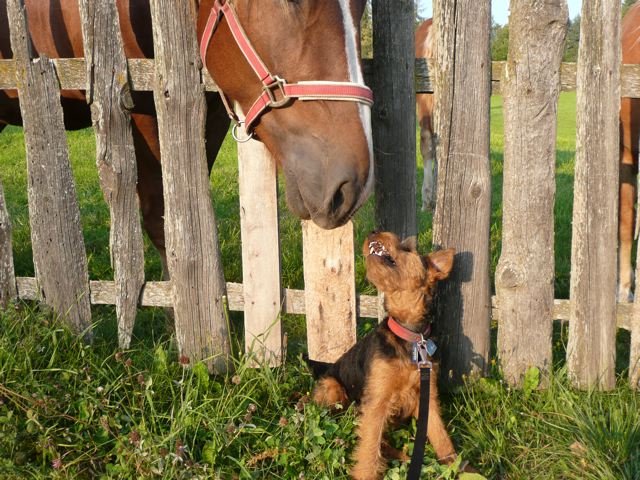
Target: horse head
{"points": [[324, 147]]}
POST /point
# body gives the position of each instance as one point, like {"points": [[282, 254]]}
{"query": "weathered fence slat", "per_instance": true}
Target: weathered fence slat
{"points": [[463, 209], [193, 251], [7, 274], [592, 326], [330, 292], [394, 125], [58, 247], [526, 268], [260, 253], [110, 99]]}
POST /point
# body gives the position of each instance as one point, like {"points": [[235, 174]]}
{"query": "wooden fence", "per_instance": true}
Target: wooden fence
{"points": [[329, 301]]}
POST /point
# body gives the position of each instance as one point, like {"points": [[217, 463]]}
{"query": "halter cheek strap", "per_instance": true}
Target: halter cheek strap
{"points": [[276, 92]]}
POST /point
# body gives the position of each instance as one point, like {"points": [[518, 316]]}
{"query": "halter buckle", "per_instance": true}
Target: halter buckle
{"points": [[275, 89]]}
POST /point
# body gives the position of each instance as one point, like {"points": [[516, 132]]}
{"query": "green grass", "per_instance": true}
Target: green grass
{"points": [[68, 410]]}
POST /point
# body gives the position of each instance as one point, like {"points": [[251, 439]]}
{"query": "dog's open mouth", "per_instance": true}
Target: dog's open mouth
{"points": [[377, 248]]}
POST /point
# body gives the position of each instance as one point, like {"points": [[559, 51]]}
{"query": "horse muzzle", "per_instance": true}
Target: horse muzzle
{"points": [[329, 196]]}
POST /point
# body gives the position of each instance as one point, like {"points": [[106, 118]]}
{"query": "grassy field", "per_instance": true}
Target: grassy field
{"points": [[68, 410]]}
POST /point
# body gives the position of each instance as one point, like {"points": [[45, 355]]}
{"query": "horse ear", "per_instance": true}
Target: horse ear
{"points": [[440, 263], [410, 243]]}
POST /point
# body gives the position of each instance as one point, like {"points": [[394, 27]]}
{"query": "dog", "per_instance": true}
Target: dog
{"points": [[378, 371]]}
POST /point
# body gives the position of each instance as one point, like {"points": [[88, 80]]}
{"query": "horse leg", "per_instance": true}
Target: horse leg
{"points": [[216, 127], [629, 135], [427, 149], [147, 145]]}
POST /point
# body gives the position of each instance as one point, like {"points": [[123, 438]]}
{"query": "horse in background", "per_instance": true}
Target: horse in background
{"points": [[424, 49], [629, 138], [324, 147]]}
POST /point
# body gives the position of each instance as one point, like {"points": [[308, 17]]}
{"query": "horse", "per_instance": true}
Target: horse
{"points": [[629, 137], [324, 146], [424, 49]]}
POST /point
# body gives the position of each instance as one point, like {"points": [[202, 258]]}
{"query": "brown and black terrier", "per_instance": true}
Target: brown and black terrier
{"points": [[378, 371]]}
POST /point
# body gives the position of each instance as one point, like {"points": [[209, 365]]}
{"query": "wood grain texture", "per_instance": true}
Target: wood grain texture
{"points": [[525, 273], [257, 178], [8, 291], [393, 116], [462, 216], [193, 251], [592, 325], [58, 247], [330, 291], [110, 98]]}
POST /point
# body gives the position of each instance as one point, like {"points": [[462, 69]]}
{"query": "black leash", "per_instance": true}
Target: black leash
{"points": [[423, 417], [423, 350]]}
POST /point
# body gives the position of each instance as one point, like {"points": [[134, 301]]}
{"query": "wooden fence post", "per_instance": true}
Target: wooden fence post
{"points": [[330, 291], [394, 116], [463, 209], [110, 99], [525, 272], [58, 246], [193, 252], [592, 324], [260, 253], [7, 275]]}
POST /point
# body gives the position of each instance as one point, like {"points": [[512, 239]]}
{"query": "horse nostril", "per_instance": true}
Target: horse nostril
{"points": [[338, 198]]}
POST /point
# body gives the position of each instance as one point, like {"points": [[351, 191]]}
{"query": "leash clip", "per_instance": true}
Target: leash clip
{"points": [[423, 349]]}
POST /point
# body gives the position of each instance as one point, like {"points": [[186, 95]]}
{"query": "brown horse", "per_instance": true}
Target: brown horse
{"points": [[629, 137], [323, 147], [424, 49]]}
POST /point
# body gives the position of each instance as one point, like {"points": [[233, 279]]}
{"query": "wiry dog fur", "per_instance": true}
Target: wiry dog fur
{"points": [[377, 371]]}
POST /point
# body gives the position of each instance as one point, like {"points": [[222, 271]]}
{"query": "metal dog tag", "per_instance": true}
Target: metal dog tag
{"points": [[431, 347], [414, 353]]}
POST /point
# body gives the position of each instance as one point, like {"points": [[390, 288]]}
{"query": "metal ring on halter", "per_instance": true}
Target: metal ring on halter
{"points": [[234, 134]]}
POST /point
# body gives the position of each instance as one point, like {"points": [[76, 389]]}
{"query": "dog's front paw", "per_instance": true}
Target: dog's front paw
{"points": [[367, 471]]}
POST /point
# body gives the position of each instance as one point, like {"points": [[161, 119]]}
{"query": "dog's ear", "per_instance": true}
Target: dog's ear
{"points": [[440, 263], [410, 243]]}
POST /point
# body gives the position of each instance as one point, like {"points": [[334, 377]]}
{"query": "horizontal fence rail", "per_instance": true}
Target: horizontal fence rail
{"points": [[159, 294], [72, 75]]}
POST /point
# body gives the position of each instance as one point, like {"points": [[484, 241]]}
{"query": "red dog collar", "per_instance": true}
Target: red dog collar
{"points": [[405, 333]]}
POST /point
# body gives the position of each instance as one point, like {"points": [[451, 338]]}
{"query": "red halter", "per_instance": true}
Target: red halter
{"points": [[276, 92]]}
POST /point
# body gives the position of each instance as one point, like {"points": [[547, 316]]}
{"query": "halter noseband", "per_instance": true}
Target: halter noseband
{"points": [[276, 92]]}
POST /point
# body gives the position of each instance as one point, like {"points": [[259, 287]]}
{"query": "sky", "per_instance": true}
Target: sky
{"points": [[500, 9]]}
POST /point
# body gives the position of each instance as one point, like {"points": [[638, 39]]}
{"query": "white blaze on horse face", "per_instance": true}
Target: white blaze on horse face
{"points": [[355, 76]]}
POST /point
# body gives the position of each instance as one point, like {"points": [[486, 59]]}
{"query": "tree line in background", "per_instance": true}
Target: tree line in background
{"points": [[499, 35]]}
